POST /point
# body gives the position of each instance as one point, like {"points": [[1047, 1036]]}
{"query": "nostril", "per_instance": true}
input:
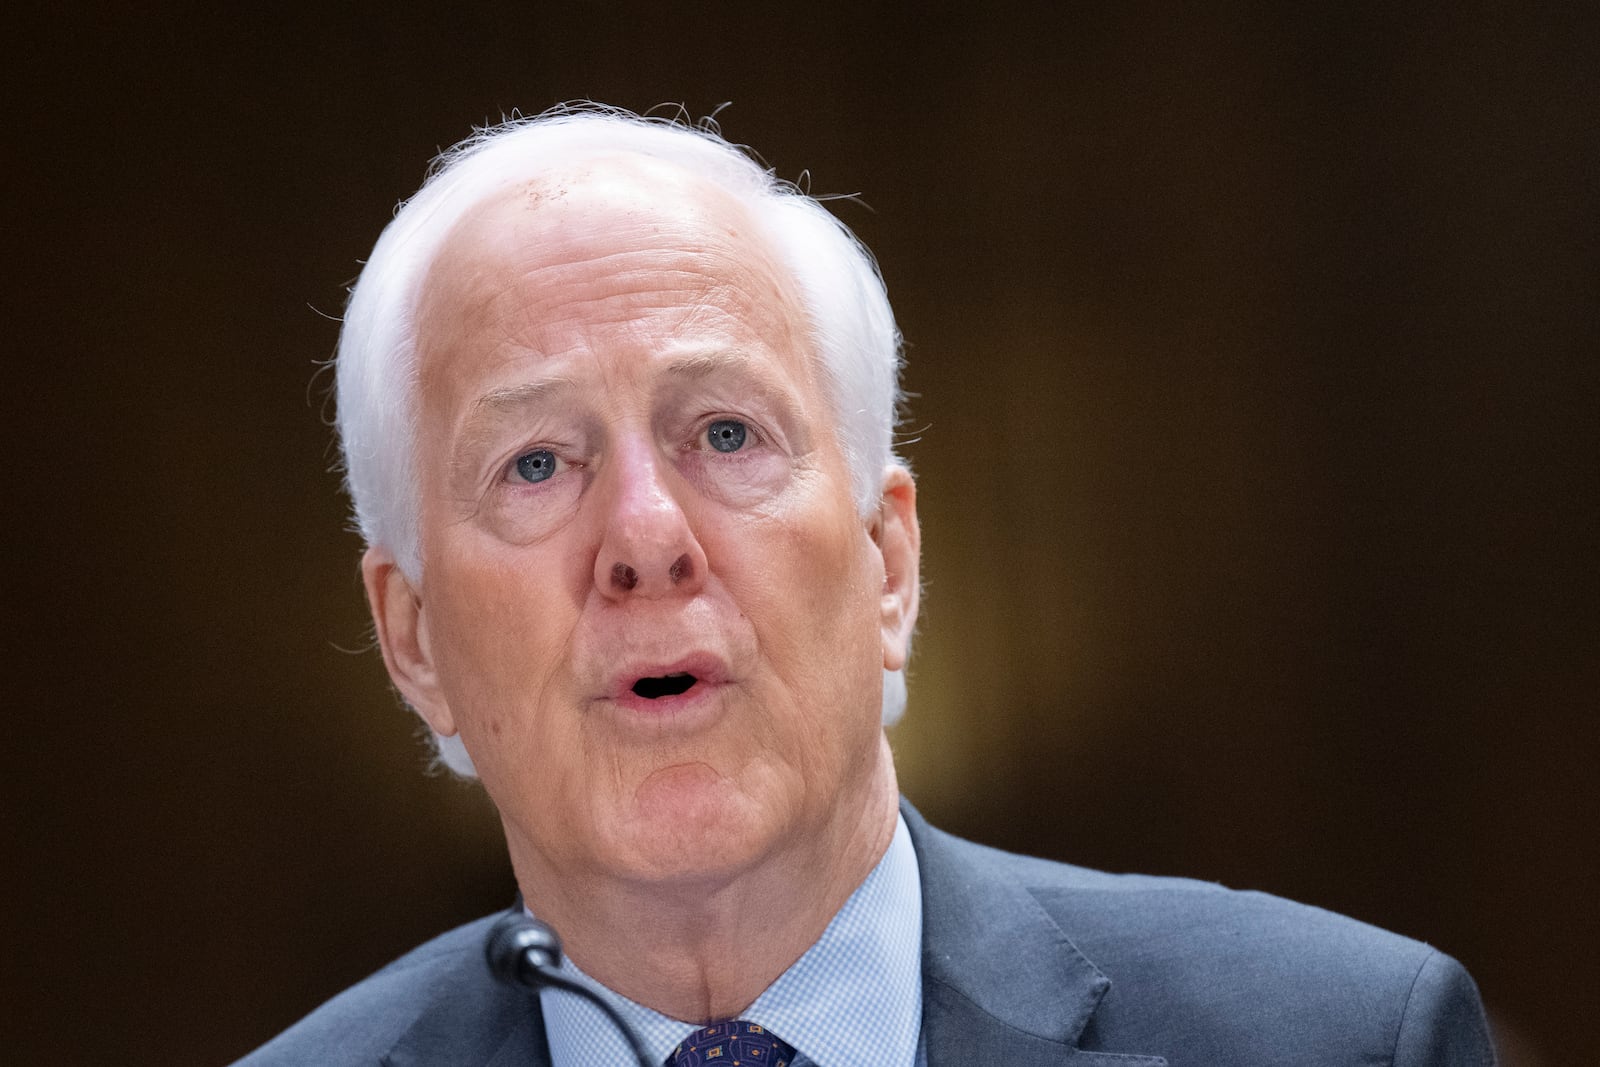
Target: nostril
{"points": [[624, 577], [681, 568]]}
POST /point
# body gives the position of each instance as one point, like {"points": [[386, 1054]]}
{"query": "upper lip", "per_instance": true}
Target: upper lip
{"points": [[706, 667]]}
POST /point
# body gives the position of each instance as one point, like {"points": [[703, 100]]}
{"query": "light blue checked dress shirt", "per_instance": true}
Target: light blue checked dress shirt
{"points": [[855, 997]]}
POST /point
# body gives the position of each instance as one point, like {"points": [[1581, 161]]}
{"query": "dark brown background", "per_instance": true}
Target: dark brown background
{"points": [[1255, 352]]}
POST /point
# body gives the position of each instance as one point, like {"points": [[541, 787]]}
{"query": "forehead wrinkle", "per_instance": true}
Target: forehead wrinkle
{"points": [[530, 305], [636, 278]]}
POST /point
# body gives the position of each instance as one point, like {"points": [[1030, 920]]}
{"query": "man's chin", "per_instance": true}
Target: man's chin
{"points": [[688, 822]]}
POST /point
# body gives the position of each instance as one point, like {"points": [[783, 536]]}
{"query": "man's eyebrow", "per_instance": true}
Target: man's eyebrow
{"points": [[516, 397], [756, 373], [699, 365]]}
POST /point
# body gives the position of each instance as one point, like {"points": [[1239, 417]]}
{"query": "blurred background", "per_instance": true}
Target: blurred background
{"points": [[1254, 359]]}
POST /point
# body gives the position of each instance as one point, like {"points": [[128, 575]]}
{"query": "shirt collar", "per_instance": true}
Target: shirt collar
{"points": [[854, 997]]}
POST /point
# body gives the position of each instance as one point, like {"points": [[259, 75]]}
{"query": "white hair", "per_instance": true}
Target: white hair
{"points": [[840, 288]]}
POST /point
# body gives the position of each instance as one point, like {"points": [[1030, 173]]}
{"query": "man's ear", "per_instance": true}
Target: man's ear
{"points": [[899, 539], [403, 635]]}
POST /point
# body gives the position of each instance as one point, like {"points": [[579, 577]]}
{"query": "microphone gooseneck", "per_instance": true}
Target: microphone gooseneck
{"points": [[523, 951]]}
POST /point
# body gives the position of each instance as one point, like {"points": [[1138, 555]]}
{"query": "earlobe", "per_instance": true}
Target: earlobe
{"points": [[398, 615], [899, 540]]}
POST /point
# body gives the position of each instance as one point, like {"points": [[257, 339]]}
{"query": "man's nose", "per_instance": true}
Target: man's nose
{"points": [[648, 548]]}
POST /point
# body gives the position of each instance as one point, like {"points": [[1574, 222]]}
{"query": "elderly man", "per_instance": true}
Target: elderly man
{"points": [[616, 410]]}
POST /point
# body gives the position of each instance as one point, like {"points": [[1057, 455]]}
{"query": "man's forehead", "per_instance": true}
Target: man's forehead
{"points": [[616, 195], [578, 231]]}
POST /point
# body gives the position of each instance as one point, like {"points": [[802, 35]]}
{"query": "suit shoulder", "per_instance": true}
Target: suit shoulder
{"points": [[1112, 910], [1241, 975], [359, 1025], [1195, 920], [1229, 976], [1234, 968]]}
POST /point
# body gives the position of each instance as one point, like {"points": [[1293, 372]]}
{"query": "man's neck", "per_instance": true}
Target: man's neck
{"points": [[665, 945]]}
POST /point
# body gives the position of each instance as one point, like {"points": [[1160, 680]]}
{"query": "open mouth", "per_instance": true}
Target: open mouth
{"points": [[667, 685]]}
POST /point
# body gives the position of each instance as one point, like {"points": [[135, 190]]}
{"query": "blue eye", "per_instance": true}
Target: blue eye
{"points": [[726, 435], [537, 465]]}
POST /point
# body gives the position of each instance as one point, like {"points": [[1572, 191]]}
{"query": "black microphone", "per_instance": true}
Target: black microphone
{"points": [[523, 951]]}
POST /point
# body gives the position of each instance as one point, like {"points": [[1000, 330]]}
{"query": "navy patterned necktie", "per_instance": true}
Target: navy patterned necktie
{"points": [[727, 1044]]}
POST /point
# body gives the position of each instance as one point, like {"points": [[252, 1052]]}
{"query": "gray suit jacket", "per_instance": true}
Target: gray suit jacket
{"points": [[1024, 962]]}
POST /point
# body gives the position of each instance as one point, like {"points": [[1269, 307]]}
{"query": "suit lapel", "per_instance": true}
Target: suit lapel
{"points": [[1002, 983], [525, 1044], [473, 1020], [511, 1035]]}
